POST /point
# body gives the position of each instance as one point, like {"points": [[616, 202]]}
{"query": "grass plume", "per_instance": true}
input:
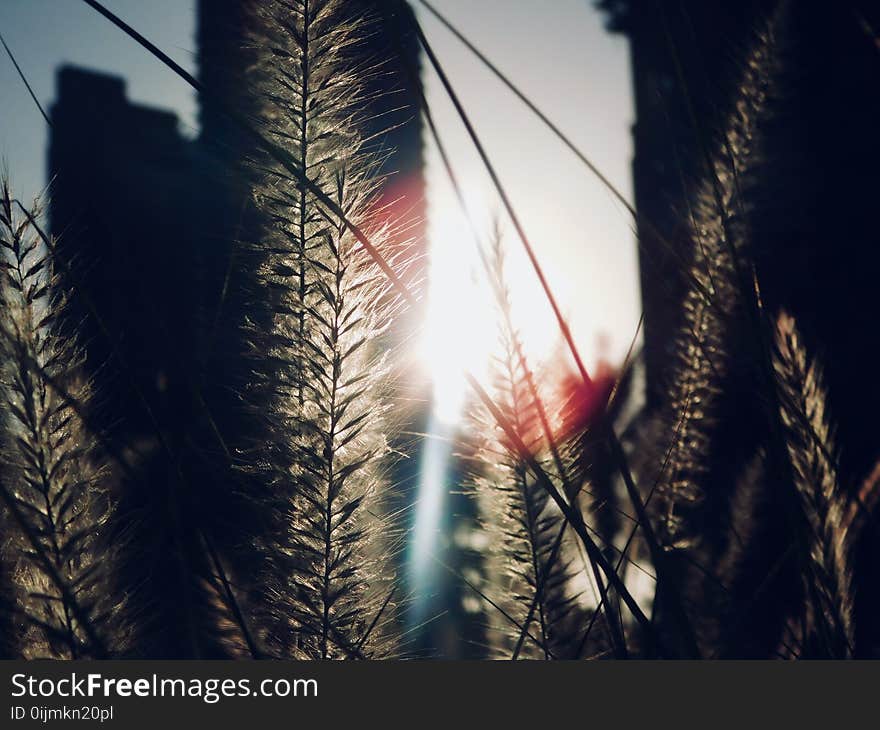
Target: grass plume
{"points": [[812, 451], [711, 305], [529, 566], [329, 304], [52, 481]]}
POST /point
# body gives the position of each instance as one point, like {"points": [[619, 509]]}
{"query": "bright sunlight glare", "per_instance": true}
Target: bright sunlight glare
{"points": [[460, 321], [461, 332]]}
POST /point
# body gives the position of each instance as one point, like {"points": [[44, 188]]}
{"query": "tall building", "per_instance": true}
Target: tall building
{"points": [[813, 234], [148, 217], [683, 57], [131, 208], [811, 221]]}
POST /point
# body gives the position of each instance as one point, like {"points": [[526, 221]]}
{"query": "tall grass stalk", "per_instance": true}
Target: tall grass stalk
{"points": [[702, 346], [812, 451], [323, 379], [52, 480], [529, 565]]}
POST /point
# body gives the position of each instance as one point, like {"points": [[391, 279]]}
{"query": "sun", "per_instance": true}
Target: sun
{"points": [[460, 331]]}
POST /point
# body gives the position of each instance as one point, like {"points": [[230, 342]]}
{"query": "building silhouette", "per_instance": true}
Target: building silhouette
{"points": [[119, 174], [814, 235], [813, 232], [148, 217], [683, 59]]}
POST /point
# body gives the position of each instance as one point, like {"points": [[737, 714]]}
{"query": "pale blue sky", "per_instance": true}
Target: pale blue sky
{"points": [[44, 34], [558, 52]]}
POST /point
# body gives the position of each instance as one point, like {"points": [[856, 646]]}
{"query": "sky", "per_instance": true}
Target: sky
{"points": [[558, 53], [44, 34], [561, 57]]}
